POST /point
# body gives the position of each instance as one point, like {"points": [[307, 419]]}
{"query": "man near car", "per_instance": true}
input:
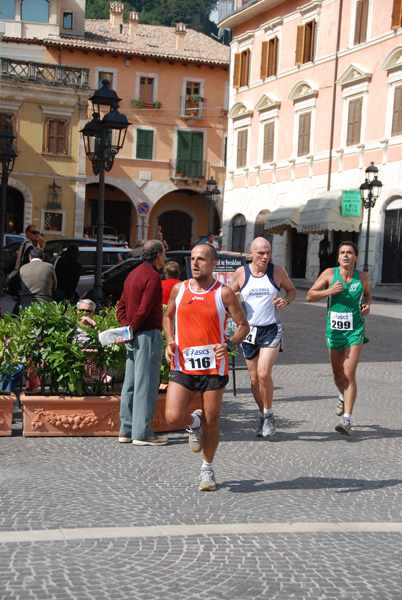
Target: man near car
{"points": [[140, 306], [212, 241], [38, 279], [258, 285], [198, 352], [348, 296]]}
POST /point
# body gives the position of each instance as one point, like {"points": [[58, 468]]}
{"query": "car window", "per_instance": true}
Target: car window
{"points": [[114, 258]]}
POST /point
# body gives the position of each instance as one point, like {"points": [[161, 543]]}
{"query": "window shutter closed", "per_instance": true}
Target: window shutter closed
{"points": [[301, 33], [237, 70], [362, 7], [144, 143], [397, 114], [396, 14], [264, 60]]}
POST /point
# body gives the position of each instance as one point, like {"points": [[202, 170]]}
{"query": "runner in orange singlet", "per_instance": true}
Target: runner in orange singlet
{"points": [[198, 353]]}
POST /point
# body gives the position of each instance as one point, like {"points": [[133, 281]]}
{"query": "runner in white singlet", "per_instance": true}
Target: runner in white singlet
{"points": [[258, 285]]}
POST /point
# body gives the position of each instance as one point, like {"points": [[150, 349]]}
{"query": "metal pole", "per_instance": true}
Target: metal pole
{"points": [[4, 181], [99, 231], [365, 268], [209, 215]]}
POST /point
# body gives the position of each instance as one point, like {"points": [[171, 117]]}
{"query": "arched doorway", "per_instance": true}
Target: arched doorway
{"points": [[392, 247], [238, 233], [259, 226], [176, 227], [14, 211]]}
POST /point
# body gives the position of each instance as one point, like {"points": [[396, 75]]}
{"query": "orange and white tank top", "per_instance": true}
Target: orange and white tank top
{"points": [[200, 324]]}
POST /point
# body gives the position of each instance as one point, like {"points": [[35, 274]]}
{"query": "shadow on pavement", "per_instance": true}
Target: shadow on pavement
{"points": [[343, 486]]}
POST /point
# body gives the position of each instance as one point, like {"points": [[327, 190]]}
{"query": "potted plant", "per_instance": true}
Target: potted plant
{"points": [[70, 364], [10, 373]]}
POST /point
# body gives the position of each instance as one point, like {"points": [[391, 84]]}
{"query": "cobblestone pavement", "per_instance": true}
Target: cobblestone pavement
{"points": [[306, 514]]}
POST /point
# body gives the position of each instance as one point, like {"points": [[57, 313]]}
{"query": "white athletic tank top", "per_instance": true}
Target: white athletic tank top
{"points": [[258, 294]]}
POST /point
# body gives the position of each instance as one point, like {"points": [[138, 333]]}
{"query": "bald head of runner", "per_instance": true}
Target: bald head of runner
{"points": [[260, 251]]}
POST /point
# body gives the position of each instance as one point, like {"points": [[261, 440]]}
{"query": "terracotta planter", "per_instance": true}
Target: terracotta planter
{"points": [[7, 400], [82, 415], [159, 423], [70, 416]]}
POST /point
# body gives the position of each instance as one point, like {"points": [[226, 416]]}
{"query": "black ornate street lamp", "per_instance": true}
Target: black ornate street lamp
{"points": [[370, 190], [7, 158], [212, 194], [103, 138]]}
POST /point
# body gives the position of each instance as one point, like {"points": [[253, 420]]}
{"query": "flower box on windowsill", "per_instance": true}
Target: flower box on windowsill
{"points": [[7, 400]]}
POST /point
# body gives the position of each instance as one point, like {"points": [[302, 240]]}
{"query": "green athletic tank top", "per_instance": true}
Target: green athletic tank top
{"points": [[344, 318]]}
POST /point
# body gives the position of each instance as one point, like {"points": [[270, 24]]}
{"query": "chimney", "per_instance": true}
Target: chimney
{"points": [[133, 18], [181, 30], [116, 13]]}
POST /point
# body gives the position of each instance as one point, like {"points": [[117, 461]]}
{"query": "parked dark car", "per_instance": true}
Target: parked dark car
{"points": [[52, 249], [113, 281]]}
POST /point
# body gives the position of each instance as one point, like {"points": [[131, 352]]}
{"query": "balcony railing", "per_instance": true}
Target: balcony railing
{"points": [[192, 106], [35, 72], [183, 168]]}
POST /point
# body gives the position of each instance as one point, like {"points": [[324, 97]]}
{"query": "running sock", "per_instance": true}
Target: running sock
{"points": [[268, 411], [196, 421], [348, 416], [206, 465]]}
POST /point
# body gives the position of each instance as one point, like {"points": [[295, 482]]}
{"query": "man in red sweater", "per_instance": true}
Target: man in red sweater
{"points": [[140, 306]]}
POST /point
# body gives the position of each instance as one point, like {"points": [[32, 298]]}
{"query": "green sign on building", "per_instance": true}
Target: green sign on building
{"points": [[351, 203]]}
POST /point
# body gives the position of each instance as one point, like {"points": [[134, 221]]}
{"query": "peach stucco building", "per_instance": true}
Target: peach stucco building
{"points": [[173, 82], [309, 81]]}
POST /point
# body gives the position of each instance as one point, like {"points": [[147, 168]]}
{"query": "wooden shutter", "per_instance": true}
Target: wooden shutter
{"points": [[237, 70], [397, 113], [308, 51], [144, 143], [268, 153], [354, 122], [396, 14], [362, 7], [264, 60], [241, 148], [272, 56], [304, 134], [245, 64], [301, 34]]}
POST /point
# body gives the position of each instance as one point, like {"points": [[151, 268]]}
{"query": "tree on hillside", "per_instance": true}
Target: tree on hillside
{"points": [[195, 14]]}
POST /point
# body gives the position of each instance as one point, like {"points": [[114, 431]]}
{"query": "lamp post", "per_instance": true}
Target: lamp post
{"points": [[7, 158], [103, 138], [211, 194], [370, 190]]}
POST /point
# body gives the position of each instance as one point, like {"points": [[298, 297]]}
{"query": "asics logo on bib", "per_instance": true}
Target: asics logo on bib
{"points": [[198, 352], [197, 298]]}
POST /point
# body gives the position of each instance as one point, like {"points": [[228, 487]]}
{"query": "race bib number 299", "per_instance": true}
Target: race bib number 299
{"points": [[199, 358], [341, 321]]}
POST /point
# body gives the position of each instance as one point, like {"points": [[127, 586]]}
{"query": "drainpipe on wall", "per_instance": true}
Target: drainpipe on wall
{"points": [[331, 143]]}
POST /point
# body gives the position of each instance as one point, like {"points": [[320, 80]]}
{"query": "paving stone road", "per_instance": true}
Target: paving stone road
{"points": [[306, 514]]}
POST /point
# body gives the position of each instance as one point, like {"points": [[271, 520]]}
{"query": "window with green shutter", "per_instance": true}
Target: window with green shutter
{"points": [[144, 143]]}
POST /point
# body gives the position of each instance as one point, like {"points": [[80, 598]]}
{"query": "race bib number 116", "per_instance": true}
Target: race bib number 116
{"points": [[199, 358]]}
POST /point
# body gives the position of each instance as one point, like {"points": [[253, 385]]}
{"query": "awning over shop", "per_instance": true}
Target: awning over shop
{"points": [[324, 212], [282, 218]]}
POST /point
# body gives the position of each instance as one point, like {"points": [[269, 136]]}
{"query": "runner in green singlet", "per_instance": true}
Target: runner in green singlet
{"points": [[349, 299]]}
